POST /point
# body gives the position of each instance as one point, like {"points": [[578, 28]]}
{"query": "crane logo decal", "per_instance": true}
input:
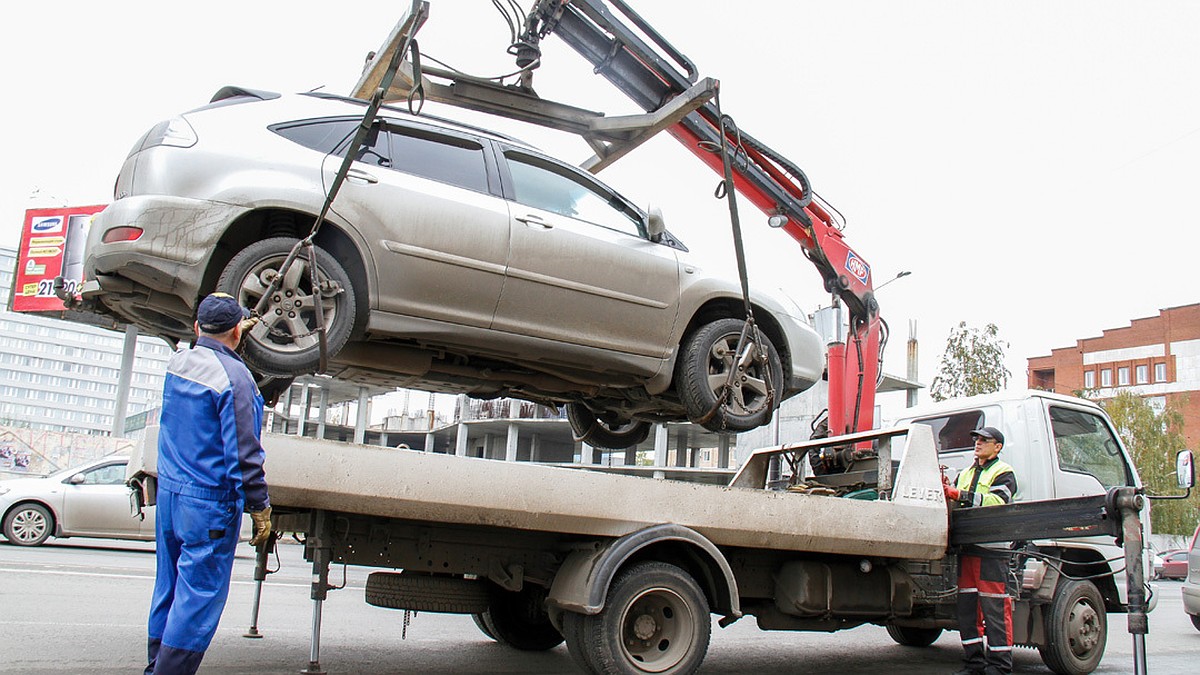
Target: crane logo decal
{"points": [[857, 267]]}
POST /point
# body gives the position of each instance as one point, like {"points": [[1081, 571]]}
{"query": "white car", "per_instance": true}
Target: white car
{"points": [[87, 501]]}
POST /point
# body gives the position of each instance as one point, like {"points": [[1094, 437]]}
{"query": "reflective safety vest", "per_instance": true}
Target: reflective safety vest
{"points": [[992, 485]]}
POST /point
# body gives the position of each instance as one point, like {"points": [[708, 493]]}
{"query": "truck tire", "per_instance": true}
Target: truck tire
{"points": [[484, 623], [1076, 629], [655, 620], [519, 619], [704, 363], [1195, 620], [28, 524], [281, 343], [914, 637], [601, 430], [426, 593]]}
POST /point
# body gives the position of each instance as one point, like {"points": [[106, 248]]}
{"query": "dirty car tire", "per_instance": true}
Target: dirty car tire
{"points": [[28, 525], [1076, 629], [284, 343], [704, 364], [426, 593], [598, 431]]}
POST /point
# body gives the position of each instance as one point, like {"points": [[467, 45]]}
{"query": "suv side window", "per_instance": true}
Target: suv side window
{"points": [[952, 433], [446, 159], [545, 185], [441, 157], [1086, 445]]}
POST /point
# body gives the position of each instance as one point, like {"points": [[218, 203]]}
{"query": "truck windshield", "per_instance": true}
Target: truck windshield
{"points": [[1085, 444]]}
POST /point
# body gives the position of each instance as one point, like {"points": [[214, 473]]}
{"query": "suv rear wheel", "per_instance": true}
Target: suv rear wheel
{"points": [[285, 341]]}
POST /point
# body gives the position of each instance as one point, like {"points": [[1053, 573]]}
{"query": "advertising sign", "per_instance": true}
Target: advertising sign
{"points": [[52, 242]]}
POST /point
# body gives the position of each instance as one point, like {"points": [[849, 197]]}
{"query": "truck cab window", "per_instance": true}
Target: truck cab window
{"points": [[952, 433], [1085, 444]]}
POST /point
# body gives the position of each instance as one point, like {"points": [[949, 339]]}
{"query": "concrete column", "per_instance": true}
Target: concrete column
{"points": [[911, 363], [383, 438], [487, 446], [660, 448], [681, 447], [360, 425], [510, 443], [429, 440], [302, 418], [587, 454], [287, 408], [514, 408], [535, 448], [631, 456], [322, 411], [723, 450], [460, 440]]}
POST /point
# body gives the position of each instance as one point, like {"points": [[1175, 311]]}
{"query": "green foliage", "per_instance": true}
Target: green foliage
{"points": [[1153, 439], [973, 363]]}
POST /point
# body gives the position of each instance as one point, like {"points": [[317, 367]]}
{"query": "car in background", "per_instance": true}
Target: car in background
{"points": [[91, 500], [453, 259], [1175, 565], [1191, 584]]}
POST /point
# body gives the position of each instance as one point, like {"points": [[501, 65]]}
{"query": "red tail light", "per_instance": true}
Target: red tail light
{"points": [[123, 233]]}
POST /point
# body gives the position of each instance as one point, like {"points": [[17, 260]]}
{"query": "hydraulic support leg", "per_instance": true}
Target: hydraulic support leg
{"points": [[321, 549], [1129, 503], [260, 574]]}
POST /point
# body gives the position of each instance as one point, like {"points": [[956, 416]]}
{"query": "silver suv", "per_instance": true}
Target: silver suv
{"points": [[454, 259]]}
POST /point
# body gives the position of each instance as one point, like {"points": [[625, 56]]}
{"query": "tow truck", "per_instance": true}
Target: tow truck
{"points": [[823, 534]]}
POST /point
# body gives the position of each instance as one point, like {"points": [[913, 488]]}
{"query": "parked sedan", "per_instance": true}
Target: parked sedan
{"points": [[87, 501], [1175, 565], [453, 259]]}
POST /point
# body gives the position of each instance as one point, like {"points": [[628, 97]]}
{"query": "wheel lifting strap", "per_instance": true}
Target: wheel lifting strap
{"points": [[725, 190], [360, 136]]}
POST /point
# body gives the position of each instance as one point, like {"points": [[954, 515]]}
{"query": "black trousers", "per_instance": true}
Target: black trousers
{"points": [[985, 611]]}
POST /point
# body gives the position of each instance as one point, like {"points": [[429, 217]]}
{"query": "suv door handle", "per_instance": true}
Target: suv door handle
{"points": [[361, 175], [535, 221]]}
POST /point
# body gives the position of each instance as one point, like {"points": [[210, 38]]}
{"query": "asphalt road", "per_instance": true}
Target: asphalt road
{"points": [[77, 606]]}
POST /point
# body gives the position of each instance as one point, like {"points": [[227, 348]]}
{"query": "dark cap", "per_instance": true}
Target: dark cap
{"points": [[220, 312], [991, 433]]}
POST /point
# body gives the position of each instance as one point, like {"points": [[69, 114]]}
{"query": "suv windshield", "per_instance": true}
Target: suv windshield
{"points": [[1086, 445]]}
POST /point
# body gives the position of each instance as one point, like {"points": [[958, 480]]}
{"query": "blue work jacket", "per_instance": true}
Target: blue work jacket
{"points": [[209, 436]]}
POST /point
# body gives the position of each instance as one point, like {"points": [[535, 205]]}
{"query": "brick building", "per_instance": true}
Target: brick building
{"points": [[1157, 357]]}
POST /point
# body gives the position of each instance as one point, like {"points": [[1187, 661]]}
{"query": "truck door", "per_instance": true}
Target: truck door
{"points": [[581, 269], [1090, 460]]}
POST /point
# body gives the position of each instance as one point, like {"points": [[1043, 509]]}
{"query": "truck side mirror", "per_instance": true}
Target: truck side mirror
{"points": [[1185, 471], [655, 226]]}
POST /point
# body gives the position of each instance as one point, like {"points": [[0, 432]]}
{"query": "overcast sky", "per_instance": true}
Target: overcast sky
{"points": [[1032, 164]]}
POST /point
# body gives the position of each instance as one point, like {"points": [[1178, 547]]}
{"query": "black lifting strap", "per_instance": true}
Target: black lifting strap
{"points": [[306, 244], [750, 336]]}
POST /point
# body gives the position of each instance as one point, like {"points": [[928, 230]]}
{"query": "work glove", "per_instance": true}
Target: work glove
{"points": [[952, 493], [262, 526]]}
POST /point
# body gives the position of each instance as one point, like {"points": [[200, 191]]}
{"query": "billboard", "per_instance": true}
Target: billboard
{"points": [[52, 243]]}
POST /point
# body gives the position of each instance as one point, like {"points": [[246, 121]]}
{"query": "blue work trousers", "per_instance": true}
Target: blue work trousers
{"points": [[195, 544]]}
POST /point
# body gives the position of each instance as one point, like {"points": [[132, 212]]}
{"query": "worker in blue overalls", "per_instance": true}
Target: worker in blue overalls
{"points": [[210, 468]]}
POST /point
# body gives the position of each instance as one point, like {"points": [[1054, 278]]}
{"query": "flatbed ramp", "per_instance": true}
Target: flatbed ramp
{"points": [[311, 474]]}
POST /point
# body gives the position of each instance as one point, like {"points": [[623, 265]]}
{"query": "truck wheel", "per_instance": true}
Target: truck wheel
{"points": [[284, 343], [520, 621], [1195, 620], [655, 620], [426, 593], [484, 623], [1076, 629], [914, 637], [28, 525], [605, 430], [704, 365]]}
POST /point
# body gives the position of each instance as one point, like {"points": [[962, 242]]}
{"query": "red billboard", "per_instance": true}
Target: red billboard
{"points": [[52, 243]]}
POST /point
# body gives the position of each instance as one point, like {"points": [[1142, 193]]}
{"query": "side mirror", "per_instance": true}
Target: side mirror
{"points": [[655, 226], [1185, 471], [77, 479]]}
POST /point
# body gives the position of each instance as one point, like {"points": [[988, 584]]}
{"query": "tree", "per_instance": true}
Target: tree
{"points": [[973, 363], [1152, 440]]}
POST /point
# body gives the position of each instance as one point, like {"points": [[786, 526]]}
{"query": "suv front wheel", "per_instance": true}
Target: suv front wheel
{"points": [[285, 343]]}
